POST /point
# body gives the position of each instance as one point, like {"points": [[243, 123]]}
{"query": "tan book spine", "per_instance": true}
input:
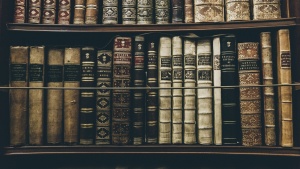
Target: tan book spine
{"points": [[36, 96], [188, 11], [285, 106], [266, 9], [91, 13], [209, 11], [79, 12], [237, 10]]}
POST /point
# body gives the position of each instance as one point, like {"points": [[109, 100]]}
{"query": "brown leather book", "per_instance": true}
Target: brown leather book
{"points": [[20, 11], [34, 11], [91, 13], [64, 12], [237, 10], [49, 12], [266, 9], [188, 11]]}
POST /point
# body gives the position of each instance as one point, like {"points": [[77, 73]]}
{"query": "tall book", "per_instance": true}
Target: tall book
{"points": [[18, 97], [87, 96], [54, 100], [103, 98], [268, 91], [230, 105], [209, 11], [266, 9], [20, 11], [138, 120], [91, 12], [36, 96], [121, 96], [189, 92], [71, 96], [129, 11], [79, 12], [188, 11], [177, 11], [177, 99], [164, 93], [144, 12], [64, 12], [204, 95], [110, 12], [49, 12], [250, 95], [237, 10], [34, 11], [285, 108], [162, 11]]}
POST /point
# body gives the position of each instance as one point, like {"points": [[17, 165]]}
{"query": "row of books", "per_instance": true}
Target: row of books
{"points": [[166, 90], [142, 11]]}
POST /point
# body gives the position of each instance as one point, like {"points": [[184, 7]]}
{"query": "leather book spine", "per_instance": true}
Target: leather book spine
{"points": [[188, 11], [162, 11], [87, 96], [71, 96], [266, 9], [121, 98], [237, 10], [20, 11], [64, 12], [54, 101], [177, 99], [145, 12], [49, 12], [268, 91], [79, 12], [129, 12], [34, 11], [36, 96], [18, 97], [209, 11], [285, 107], [189, 92], [177, 11], [138, 119], [103, 98], [250, 97], [110, 12], [91, 13]]}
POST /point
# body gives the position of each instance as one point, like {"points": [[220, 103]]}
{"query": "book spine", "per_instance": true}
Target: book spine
{"points": [[34, 11], [189, 92], [103, 99], [237, 10], [139, 95], [36, 96], [91, 13], [79, 12], [266, 9], [87, 97], [268, 92], [71, 96], [18, 97], [54, 101], [145, 12], [49, 12], [121, 97], [110, 12], [129, 12], [165, 95], [250, 97], [177, 80], [188, 11], [217, 91], [20, 11], [162, 11], [64, 12], [285, 110], [209, 11], [177, 11]]}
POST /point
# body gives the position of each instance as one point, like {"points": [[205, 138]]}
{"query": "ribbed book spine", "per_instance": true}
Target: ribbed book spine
{"points": [[71, 96], [87, 96], [268, 91], [266, 9], [162, 11], [129, 12], [209, 11], [79, 12], [20, 11], [54, 101], [91, 12], [103, 98], [36, 96], [237, 10], [110, 12], [250, 97], [188, 11], [177, 11], [34, 11], [177, 80], [18, 97], [285, 107], [49, 12], [165, 95], [189, 93], [64, 12]]}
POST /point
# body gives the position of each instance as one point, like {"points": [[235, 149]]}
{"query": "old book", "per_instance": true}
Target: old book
{"points": [[129, 11], [237, 10], [177, 99], [87, 96], [188, 11], [71, 96], [103, 98], [145, 12], [285, 108], [54, 100], [20, 11], [110, 12], [92, 10], [34, 11], [177, 11], [266, 9], [138, 117], [49, 12], [268, 91], [162, 11], [64, 12], [189, 92], [36, 96], [204, 95], [209, 11], [121, 97], [164, 95], [79, 12], [18, 97], [250, 97]]}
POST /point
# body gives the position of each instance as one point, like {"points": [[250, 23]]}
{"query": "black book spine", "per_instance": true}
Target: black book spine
{"points": [[177, 11]]}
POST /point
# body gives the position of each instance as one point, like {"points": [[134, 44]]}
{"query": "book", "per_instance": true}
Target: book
{"points": [[266, 9], [204, 95], [237, 10], [177, 11], [20, 11], [36, 96], [285, 107], [64, 12], [71, 96], [188, 11], [209, 11], [250, 97], [54, 100], [79, 12], [18, 98], [92, 10], [110, 12], [34, 11], [121, 97], [103, 98], [129, 11], [164, 95], [49, 12], [87, 96], [162, 11], [268, 91], [145, 12]]}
